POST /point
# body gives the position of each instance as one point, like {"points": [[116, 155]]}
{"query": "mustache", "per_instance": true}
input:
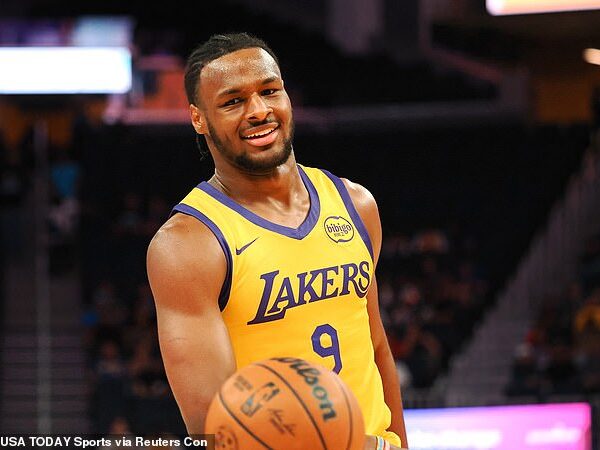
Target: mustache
{"points": [[255, 124]]}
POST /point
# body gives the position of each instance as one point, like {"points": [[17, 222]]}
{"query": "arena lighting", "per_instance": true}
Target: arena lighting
{"points": [[65, 70], [506, 7], [592, 56]]}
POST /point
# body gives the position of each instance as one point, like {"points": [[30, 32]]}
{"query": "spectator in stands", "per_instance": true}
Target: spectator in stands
{"points": [[109, 374], [566, 309], [561, 373], [418, 349], [142, 317], [590, 271], [587, 337], [387, 300], [64, 178], [146, 370], [587, 318], [526, 378], [431, 241], [588, 360]]}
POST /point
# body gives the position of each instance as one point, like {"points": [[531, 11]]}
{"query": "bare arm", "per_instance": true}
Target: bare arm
{"points": [[186, 269], [367, 208]]}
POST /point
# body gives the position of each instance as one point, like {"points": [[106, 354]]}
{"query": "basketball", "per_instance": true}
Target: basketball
{"points": [[285, 403]]}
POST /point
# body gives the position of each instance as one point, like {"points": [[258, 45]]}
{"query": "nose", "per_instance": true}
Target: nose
{"points": [[257, 110]]}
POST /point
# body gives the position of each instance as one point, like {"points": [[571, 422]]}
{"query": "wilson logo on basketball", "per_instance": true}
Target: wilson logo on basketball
{"points": [[311, 377], [338, 229]]}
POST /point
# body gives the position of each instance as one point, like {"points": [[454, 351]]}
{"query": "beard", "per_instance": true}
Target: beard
{"points": [[245, 161]]}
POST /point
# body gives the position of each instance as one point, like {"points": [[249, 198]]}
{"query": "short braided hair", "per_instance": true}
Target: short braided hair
{"points": [[216, 46]]}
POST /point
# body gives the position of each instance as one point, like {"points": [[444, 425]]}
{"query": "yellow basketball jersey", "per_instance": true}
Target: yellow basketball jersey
{"points": [[300, 292]]}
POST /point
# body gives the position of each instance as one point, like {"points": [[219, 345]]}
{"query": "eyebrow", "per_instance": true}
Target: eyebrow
{"points": [[238, 90]]}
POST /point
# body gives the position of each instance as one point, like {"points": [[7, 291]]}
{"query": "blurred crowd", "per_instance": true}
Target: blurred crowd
{"points": [[126, 372], [432, 289], [18, 173], [114, 186], [560, 354]]}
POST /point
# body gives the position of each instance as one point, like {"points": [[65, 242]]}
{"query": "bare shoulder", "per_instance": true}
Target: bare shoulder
{"points": [[366, 206], [184, 239], [363, 200], [184, 251]]}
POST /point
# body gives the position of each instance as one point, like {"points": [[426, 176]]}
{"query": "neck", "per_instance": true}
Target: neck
{"points": [[281, 184]]}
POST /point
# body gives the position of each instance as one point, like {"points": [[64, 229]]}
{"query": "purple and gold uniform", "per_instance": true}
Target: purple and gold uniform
{"points": [[300, 292]]}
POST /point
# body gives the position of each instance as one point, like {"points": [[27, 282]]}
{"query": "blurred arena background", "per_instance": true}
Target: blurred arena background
{"points": [[477, 134]]}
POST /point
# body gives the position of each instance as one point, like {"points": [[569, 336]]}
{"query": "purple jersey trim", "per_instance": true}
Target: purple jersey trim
{"points": [[226, 288], [296, 233], [362, 230]]}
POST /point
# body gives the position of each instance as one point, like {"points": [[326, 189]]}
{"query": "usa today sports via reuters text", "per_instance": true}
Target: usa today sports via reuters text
{"points": [[80, 442]]}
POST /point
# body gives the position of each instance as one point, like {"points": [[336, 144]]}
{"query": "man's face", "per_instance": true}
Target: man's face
{"points": [[247, 112]]}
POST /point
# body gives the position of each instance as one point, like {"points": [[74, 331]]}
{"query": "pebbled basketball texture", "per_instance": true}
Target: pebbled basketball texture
{"points": [[287, 404]]}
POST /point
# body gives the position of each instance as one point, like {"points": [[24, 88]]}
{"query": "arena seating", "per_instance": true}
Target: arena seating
{"points": [[448, 200], [560, 354]]}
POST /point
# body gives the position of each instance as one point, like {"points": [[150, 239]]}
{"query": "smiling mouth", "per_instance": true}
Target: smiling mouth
{"points": [[261, 134]]}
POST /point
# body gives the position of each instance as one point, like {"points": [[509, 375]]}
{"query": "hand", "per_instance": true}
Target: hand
{"points": [[371, 444]]}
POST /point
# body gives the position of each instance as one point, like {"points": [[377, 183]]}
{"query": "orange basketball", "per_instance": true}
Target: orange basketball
{"points": [[285, 403]]}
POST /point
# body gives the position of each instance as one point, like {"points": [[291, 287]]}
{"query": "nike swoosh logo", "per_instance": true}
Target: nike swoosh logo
{"points": [[238, 251]]}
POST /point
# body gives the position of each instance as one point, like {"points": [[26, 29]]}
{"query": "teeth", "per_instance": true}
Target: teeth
{"points": [[260, 134]]}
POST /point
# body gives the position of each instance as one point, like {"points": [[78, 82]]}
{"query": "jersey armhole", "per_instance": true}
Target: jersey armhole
{"points": [[354, 215], [226, 288]]}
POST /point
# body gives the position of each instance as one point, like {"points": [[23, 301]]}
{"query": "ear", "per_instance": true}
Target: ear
{"points": [[198, 121]]}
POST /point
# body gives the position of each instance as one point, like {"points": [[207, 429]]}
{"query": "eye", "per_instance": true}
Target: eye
{"points": [[269, 91], [231, 102]]}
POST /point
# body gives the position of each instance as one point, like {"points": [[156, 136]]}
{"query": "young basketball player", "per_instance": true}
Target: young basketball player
{"points": [[267, 258]]}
